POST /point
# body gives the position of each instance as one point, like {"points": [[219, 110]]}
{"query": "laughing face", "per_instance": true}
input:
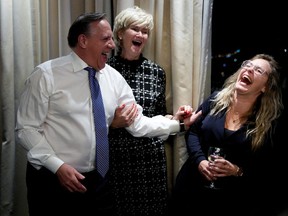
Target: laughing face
{"points": [[253, 77], [98, 43], [133, 39]]}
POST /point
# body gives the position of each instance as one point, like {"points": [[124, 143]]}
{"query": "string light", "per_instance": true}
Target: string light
{"points": [[227, 55]]}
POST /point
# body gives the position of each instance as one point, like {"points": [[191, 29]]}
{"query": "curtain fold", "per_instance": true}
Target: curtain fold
{"points": [[191, 53], [16, 60], [33, 31]]}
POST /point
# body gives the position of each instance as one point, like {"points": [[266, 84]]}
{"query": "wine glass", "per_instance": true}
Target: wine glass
{"points": [[214, 153]]}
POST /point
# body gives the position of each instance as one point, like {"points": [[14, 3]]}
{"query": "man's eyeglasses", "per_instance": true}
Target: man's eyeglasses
{"points": [[249, 65]]}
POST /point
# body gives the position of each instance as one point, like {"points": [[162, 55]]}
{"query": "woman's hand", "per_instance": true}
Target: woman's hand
{"points": [[183, 112], [188, 121], [124, 118], [203, 168], [222, 167]]}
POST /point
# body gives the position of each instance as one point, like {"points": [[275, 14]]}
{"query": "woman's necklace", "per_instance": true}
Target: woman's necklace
{"points": [[235, 120]]}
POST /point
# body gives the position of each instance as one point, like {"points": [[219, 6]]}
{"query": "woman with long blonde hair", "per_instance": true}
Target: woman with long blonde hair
{"points": [[240, 118]]}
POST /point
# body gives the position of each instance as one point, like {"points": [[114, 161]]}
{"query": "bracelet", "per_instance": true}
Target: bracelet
{"points": [[239, 172], [182, 126]]}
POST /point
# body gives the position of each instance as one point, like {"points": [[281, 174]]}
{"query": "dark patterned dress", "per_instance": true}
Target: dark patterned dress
{"points": [[138, 165]]}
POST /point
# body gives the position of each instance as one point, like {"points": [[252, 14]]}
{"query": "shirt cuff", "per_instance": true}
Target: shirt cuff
{"points": [[53, 163]]}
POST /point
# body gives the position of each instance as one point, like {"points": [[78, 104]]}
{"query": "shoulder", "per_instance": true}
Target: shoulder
{"points": [[55, 63], [213, 95], [206, 105], [152, 64], [154, 67], [111, 72], [109, 69], [44, 71]]}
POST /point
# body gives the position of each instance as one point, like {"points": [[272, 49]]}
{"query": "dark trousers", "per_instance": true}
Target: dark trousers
{"points": [[47, 197]]}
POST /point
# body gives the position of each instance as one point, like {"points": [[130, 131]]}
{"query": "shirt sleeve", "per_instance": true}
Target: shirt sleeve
{"points": [[157, 126], [31, 114], [143, 126]]}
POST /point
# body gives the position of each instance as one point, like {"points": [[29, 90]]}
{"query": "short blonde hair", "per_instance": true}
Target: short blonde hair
{"points": [[131, 16]]}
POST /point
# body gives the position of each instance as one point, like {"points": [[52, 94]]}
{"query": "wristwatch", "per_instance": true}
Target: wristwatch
{"points": [[182, 126], [239, 172]]}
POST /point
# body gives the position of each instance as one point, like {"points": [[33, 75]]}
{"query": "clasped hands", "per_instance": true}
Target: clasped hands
{"points": [[125, 117], [220, 167], [185, 113]]}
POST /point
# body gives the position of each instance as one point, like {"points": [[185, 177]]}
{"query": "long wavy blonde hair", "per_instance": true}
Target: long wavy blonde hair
{"points": [[267, 107]]}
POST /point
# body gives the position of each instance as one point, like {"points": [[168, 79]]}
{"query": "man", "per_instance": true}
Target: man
{"points": [[55, 123]]}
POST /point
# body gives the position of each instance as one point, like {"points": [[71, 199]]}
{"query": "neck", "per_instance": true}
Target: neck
{"points": [[238, 112], [129, 56], [242, 104]]}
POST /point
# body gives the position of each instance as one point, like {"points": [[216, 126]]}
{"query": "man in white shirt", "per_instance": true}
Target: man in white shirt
{"points": [[55, 123]]}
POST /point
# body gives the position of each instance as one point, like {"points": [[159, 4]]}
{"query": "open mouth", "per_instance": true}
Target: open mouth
{"points": [[246, 79], [137, 43]]}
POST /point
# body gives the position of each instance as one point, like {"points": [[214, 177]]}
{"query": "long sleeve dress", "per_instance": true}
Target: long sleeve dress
{"points": [[138, 165]]}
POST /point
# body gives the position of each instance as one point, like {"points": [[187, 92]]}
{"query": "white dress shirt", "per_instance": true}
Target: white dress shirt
{"points": [[55, 119]]}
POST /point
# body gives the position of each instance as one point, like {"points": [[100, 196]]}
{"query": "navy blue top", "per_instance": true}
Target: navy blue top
{"points": [[250, 190]]}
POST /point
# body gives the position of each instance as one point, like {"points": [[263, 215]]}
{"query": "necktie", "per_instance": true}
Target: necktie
{"points": [[102, 146]]}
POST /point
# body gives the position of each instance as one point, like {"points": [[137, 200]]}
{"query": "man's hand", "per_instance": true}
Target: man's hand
{"points": [[69, 178]]}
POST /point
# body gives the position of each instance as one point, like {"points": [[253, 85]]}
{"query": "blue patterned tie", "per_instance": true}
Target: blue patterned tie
{"points": [[102, 146]]}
